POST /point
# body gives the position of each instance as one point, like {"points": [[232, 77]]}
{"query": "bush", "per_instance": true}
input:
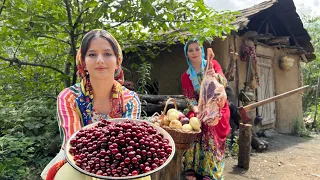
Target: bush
{"points": [[311, 112], [299, 128], [232, 146], [26, 127]]}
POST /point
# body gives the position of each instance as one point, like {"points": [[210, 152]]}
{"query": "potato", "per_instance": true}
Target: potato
{"points": [[170, 111], [166, 122], [195, 123], [173, 116], [175, 124], [187, 127]]}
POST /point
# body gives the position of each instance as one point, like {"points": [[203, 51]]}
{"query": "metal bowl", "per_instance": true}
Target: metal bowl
{"points": [[165, 134]]}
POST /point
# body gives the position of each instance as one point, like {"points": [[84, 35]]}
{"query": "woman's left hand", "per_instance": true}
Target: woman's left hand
{"points": [[211, 72]]}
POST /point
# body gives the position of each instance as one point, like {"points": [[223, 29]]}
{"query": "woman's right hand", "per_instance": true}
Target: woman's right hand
{"points": [[210, 54], [195, 109]]}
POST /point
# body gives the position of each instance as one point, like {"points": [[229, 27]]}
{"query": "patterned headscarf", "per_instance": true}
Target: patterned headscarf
{"points": [[82, 73], [192, 73], [84, 101]]}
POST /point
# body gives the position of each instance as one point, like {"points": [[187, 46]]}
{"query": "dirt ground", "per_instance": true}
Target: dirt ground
{"points": [[287, 158]]}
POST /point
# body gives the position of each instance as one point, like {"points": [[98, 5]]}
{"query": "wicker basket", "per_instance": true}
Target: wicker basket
{"points": [[182, 139], [286, 63]]}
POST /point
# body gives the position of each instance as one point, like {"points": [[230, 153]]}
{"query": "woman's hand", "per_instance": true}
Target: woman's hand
{"points": [[210, 54], [195, 109], [211, 72]]}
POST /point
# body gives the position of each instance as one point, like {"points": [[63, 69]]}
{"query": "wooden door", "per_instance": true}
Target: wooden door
{"points": [[266, 89]]}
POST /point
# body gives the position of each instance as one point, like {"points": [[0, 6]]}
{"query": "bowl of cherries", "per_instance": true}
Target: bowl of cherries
{"points": [[120, 148]]}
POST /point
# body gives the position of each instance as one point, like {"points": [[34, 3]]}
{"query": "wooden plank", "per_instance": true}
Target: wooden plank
{"points": [[277, 40], [266, 90], [265, 51], [265, 62], [304, 58]]}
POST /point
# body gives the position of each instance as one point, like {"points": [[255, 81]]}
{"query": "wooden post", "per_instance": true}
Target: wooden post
{"points": [[245, 134], [172, 170]]}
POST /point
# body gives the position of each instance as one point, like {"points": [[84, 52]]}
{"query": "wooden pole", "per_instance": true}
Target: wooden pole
{"points": [[245, 134], [274, 98]]}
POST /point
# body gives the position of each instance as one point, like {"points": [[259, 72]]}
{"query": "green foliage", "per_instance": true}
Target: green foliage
{"points": [[48, 33], [144, 72], [311, 71], [24, 146], [299, 128], [232, 146], [310, 114]]}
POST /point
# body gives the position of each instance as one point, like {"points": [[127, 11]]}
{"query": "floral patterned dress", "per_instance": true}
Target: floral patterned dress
{"points": [[202, 158]]}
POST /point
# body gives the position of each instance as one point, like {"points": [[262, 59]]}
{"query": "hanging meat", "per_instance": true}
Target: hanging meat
{"points": [[212, 96]]}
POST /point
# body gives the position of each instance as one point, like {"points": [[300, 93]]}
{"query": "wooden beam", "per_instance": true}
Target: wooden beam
{"points": [[287, 26], [267, 27], [304, 58]]}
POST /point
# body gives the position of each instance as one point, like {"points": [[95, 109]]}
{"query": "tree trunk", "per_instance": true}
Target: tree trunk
{"points": [[67, 73], [72, 36], [74, 76], [316, 111]]}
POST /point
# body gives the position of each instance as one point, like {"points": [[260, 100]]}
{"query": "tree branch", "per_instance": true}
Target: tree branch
{"points": [[3, 6], [15, 52], [78, 3], [68, 13], [50, 37], [163, 21], [124, 21], [79, 17], [72, 39], [81, 33], [22, 63]]}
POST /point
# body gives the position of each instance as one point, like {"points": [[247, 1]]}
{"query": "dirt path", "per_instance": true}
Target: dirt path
{"points": [[288, 158]]}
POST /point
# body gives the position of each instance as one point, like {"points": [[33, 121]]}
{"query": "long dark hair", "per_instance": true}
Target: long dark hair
{"points": [[94, 34]]}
